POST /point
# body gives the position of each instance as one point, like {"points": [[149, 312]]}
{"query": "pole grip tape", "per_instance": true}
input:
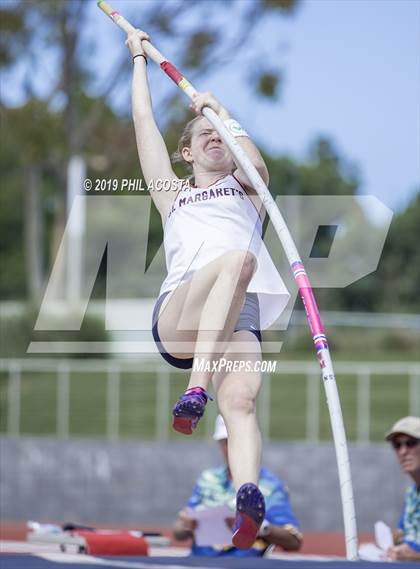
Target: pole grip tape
{"points": [[172, 72]]}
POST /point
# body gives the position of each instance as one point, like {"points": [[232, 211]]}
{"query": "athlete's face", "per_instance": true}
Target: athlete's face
{"points": [[207, 151]]}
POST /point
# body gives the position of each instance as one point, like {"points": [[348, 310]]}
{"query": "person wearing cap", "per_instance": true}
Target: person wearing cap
{"points": [[215, 488], [405, 439]]}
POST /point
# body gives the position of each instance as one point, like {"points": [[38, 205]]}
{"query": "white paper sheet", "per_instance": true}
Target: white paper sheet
{"points": [[370, 552], [212, 528], [378, 551], [383, 536]]}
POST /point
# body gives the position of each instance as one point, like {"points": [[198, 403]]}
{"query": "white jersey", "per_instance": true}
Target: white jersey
{"points": [[205, 223]]}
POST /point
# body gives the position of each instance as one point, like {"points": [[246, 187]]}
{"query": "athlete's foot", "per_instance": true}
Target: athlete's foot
{"points": [[250, 512], [189, 409]]}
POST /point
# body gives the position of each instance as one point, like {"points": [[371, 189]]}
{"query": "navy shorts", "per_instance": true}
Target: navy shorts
{"points": [[249, 319]]}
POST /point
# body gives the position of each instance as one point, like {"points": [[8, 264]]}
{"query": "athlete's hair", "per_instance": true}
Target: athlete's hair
{"points": [[185, 141]]}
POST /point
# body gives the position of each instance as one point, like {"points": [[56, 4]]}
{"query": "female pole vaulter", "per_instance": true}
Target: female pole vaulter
{"points": [[222, 287]]}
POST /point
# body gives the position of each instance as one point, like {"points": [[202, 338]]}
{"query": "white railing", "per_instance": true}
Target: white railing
{"points": [[405, 375]]}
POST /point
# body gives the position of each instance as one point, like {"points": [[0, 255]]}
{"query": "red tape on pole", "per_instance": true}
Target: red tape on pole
{"points": [[172, 72]]}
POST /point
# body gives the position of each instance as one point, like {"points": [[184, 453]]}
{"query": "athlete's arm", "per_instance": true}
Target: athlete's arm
{"points": [[153, 154], [257, 160], [201, 100]]}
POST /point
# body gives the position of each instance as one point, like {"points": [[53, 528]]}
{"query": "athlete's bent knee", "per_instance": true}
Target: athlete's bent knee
{"points": [[242, 265]]}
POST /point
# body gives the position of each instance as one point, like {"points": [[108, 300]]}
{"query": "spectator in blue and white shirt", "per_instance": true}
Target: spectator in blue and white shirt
{"points": [[215, 488], [405, 439]]}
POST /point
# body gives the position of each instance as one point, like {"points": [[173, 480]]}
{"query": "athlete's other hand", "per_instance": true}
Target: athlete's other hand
{"points": [[207, 99], [133, 42]]}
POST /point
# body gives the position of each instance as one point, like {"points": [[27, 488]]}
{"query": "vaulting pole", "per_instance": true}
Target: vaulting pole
{"points": [[299, 273]]}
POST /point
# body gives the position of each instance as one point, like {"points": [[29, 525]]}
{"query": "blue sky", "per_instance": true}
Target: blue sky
{"points": [[352, 73]]}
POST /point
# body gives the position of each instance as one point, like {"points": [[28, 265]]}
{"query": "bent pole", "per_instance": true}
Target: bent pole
{"points": [[299, 273]]}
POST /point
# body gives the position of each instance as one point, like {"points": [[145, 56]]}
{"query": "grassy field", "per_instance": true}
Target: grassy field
{"points": [[143, 414]]}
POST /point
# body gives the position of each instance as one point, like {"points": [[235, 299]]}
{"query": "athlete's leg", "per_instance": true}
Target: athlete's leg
{"points": [[236, 398], [202, 312], [236, 395]]}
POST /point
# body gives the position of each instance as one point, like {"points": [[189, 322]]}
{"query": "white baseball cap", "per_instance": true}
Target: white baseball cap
{"points": [[220, 431], [406, 426]]}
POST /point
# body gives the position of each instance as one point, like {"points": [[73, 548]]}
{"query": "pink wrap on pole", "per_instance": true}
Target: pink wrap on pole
{"points": [[309, 302]]}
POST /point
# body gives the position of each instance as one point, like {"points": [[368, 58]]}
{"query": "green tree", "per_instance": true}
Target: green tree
{"points": [[31, 137], [399, 271], [52, 42]]}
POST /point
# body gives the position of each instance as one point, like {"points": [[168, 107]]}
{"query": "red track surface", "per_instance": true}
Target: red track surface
{"points": [[314, 543]]}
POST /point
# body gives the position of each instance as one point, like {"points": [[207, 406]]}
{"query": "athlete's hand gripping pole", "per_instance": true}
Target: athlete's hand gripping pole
{"points": [[301, 278]]}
